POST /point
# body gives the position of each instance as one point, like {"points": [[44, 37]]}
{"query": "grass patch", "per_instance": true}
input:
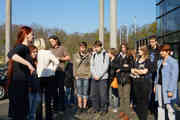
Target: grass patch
{"points": [[1, 59]]}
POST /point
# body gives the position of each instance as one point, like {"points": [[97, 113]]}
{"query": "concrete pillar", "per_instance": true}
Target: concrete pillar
{"points": [[8, 28], [101, 21], [113, 23]]}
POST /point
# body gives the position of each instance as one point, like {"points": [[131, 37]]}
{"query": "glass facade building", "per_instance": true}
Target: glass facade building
{"points": [[168, 24]]}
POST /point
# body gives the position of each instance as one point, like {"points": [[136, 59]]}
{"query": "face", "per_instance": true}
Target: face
{"points": [[153, 42], [110, 55], [82, 48], [164, 54], [97, 49], [140, 52], [93, 48], [30, 38], [34, 53], [53, 42], [123, 48]]}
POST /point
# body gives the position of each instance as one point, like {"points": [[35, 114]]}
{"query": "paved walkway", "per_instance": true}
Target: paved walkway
{"points": [[70, 114]]}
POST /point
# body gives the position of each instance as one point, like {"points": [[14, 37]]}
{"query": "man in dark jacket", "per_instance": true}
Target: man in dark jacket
{"points": [[154, 53]]}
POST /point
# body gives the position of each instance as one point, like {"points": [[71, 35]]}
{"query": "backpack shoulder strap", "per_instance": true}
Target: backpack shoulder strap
{"points": [[94, 56], [104, 55]]}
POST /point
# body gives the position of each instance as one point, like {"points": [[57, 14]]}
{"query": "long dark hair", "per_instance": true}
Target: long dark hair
{"points": [[31, 48], [23, 32]]}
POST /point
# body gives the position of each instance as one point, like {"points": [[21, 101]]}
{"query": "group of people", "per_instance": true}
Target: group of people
{"points": [[102, 79], [36, 74]]}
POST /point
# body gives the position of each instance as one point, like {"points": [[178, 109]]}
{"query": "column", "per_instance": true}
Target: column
{"points": [[8, 28], [113, 23], [101, 21]]}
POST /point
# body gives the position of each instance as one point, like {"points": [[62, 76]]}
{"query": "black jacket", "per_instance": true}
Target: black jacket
{"points": [[114, 65], [123, 75], [34, 82], [68, 82]]}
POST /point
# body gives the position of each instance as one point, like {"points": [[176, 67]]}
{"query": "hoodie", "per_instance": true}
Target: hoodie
{"points": [[99, 65]]}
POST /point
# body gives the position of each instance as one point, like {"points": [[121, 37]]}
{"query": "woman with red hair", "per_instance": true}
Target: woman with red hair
{"points": [[19, 70], [166, 82]]}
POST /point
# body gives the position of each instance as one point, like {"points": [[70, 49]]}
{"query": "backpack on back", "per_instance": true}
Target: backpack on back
{"points": [[104, 55]]}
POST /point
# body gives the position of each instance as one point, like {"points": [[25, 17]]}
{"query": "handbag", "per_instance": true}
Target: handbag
{"points": [[114, 83]]}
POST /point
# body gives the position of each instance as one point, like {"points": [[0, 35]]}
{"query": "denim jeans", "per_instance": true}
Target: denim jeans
{"points": [[34, 101], [82, 87], [113, 97], [69, 96], [161, 109], [99, 94]]}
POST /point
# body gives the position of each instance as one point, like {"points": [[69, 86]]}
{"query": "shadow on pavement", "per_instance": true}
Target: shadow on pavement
{"points": [[4, 118]]}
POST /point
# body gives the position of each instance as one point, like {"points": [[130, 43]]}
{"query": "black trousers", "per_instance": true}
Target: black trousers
{"points": [[99, 94], [142, 89], [18, 97], [132, 92], [11, 111], [59, 98], [48, 89]]}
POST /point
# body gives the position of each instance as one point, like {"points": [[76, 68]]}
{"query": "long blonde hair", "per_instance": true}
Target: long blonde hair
{"points": [[40, 44], [145, 51]]}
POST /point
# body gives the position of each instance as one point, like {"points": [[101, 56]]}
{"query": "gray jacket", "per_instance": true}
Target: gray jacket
{"points": [[99, 65]]}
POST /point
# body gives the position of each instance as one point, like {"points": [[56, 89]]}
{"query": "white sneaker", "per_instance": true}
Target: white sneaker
{"points": [[115, 110]]}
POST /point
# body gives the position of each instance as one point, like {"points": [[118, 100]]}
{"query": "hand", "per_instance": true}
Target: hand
{"points": [[154, 89], [132, 70], [30, 89], [76, 77], [118, 70], [170, 94], [31, 68], [125, 65], [136, 71], [96, 78]]}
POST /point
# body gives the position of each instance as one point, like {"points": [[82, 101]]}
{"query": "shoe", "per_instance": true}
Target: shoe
{"points": [[115, 110], [85, 109], [55, 116], [79, 111], [92, 111], [131, 105], [103, 112]]}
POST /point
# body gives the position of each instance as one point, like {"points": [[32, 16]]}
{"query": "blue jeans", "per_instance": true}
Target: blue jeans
{"points": [[34, 101], [69, 95], [113, 97], [82, 87]]}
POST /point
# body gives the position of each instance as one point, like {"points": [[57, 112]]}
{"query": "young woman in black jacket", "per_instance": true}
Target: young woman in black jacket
{"points": [[113, 90]]}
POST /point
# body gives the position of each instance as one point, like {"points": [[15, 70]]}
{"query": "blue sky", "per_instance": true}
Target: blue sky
{"points": [[77, 15]]}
